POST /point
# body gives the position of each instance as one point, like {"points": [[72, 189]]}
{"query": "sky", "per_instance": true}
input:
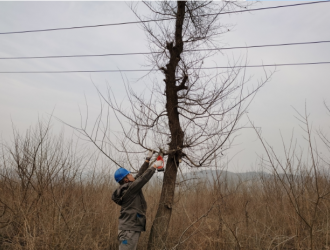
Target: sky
{"points": [[26, 97]]}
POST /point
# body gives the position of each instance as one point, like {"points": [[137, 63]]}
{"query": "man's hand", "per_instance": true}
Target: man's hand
{"points": [[149, 155], [159, 166]]}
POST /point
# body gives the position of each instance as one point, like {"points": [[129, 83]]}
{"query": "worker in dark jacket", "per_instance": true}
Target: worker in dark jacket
{"points": [[129, 196]]}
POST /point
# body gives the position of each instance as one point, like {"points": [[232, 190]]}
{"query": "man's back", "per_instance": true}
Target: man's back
{"points": [[129, 196], [133, 205], [133, 208]]}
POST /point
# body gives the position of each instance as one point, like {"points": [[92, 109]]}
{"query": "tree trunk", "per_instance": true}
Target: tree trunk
{"points": [[159, 229]]}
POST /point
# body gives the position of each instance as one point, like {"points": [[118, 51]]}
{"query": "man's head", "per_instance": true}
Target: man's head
{"points": [[123, 176]]}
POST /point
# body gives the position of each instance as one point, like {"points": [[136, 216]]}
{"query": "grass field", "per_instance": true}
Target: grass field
{"points": [[47, 203]]}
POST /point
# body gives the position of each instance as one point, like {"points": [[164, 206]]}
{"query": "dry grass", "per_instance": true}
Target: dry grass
{"points": [[47, 203]]}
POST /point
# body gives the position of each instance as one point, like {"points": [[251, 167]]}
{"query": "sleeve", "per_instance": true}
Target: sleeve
{"points": [[142, 169], [141, 180]]}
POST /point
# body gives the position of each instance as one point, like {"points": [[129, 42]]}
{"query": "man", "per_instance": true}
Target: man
{"points": [[129, 196]]}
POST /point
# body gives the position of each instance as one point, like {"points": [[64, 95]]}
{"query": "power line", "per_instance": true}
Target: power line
{"points": [[266, 45], [268, 65], [95, 55], [156, 20], [148, 53], [149, 70]]}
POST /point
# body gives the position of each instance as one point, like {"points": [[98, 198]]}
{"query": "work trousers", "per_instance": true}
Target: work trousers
{"points": [[128, 240]]}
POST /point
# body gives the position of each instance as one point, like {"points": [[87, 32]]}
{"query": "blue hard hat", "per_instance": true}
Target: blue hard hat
{"points": [[120, 174]]}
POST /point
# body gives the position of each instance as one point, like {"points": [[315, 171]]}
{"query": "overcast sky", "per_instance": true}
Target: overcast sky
{"points": [[25, 97]]}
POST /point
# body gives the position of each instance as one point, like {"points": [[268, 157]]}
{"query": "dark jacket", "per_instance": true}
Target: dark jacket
{"points": [[133, 205]]}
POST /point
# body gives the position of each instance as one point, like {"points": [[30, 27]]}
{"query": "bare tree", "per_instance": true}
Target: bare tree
{"points": [[192, 114], [304, 179]]}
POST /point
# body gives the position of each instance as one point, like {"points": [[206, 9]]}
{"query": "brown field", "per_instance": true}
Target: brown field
{"points": [[46, 203]]}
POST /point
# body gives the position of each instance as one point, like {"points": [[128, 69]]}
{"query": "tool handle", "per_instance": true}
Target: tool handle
{"points": [[160, 168]]}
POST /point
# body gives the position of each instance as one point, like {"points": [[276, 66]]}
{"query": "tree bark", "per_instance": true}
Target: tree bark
{"points": [[159, 229]]}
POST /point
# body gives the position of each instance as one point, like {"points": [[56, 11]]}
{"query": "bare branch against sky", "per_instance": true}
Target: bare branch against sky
{"points": [[25, 97]]}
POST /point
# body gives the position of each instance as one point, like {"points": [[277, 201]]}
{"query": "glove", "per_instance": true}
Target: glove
{"points": [[159, 165], [149, 155]]}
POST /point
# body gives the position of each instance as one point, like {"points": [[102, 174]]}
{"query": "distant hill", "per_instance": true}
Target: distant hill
{"points": [[211, 175]]}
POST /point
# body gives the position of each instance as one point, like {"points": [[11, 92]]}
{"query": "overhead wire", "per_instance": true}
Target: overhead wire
{"points": [[148, 53], [144, 53], [157, 20], [149, 70]]}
